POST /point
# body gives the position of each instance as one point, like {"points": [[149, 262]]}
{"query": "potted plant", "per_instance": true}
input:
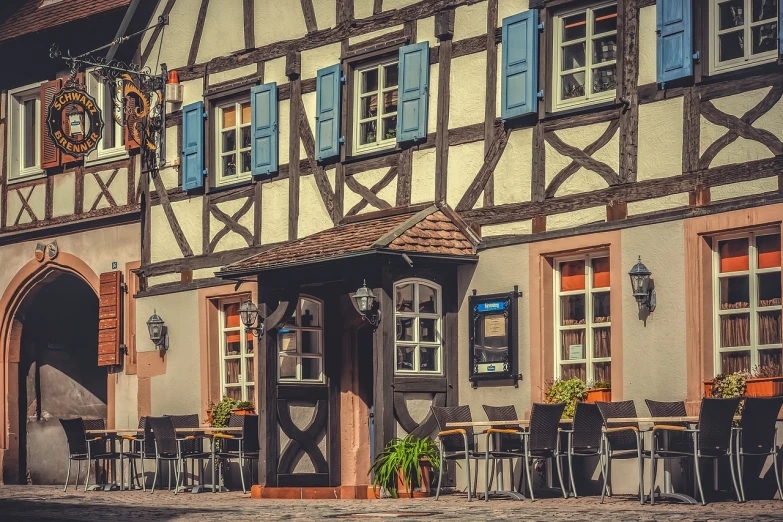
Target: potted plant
{"points": [[405, 467], [220, 412], [243, 408], [729, 386], [568, 391], [599, 391], [765, 381]]}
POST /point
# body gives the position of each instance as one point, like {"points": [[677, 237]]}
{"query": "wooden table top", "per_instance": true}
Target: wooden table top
{"points": [[206, 431], [489, 424], [621, 420]]}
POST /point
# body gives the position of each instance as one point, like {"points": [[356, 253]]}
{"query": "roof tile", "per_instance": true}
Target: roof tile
{"points": [[37, 15]]}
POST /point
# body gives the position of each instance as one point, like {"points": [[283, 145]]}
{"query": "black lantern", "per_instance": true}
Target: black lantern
{"points": [[640, 286], [248, 313], [157, 329], [366, 304]]}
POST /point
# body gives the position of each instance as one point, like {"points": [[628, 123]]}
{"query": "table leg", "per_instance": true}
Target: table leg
{"points": [[122, 468], [668, 489]]}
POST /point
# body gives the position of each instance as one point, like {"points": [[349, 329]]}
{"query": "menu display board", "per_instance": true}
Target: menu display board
{"points": [[493, 343]]}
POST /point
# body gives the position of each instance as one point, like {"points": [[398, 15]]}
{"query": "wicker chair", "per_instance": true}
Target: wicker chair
{"points": [[456, 443], [542, 440], [757, 434], [243, 447], [81, 448], [668, 444], [621, 440], [506, 441], [585, 438], [136, 452], [192, 446], [169, 448]]}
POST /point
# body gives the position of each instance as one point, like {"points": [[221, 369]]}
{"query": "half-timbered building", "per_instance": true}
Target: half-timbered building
{"points": [[447, 153]]}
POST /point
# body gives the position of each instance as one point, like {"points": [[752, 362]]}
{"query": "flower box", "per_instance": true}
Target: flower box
{"points": [[599, 395], [243, 411], [755, 387]]}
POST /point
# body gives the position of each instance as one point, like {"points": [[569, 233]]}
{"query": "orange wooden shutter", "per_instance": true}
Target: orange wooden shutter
{"points": [[50, 154], [109, 319]]}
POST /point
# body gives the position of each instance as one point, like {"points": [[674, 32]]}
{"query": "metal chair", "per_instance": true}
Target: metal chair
{"points": [[585, 438], [81, 448], [757, 434], [136, 451], [190, 447], [456, 443], [620, 440], [169, 447], [243, 447], [506, 442], [542, 440]]}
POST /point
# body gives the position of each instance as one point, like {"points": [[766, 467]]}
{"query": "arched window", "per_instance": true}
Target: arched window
{"points": [[417, 312], [300, 344]]}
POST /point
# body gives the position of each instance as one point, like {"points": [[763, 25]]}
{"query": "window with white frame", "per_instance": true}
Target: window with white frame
{"points": [[24, 132], [233, 141], [237, 354], [742, 33], [585, 56], [300, 344], [583, 322], [417, 311], [108, 96], [747, 301], [375, 107]]}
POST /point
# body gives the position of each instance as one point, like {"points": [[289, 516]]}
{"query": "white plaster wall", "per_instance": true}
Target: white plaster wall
{"points": [[126, 408], [470, 20], [223, 31], [276, 21], [425, 31], [582, 180], [660, 139], [517, 227], [37, 201], [308, 103], [655, 204], [163, 245], [274, 71], [274, 211], [175, 44], [325, 13], [284, 132], [464, 163], [648, 40], [388, 5], [576, 218], [368, 179], [362, 8], [64, 194], [508, 8], [432, 109], [468, 90], [169, 176], [232, 74], [313, 216], [318, 58], [192, 92], [118, 189], [423, 180], [744, 188], [514, 171], [231, 240]]}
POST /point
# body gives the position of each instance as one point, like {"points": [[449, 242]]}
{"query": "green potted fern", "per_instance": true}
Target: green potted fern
{"points": [[405, 467]]}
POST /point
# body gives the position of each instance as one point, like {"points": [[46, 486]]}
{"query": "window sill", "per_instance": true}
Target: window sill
{"points": [[583, 109], [12, 180], [758, 69], [106, 156], [361, 156], [228, 185]]}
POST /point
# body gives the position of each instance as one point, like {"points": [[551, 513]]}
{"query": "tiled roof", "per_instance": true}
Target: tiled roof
{"points": [[435, 230], [37, 15]]}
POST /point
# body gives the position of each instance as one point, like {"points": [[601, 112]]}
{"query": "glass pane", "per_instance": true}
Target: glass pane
{"points": [[573, 56], [604, 79], [233, 346], [769, 289], [229, 140], [311, 313], [405, 357], [427, 330], [601, 277], [732, 362], [235, 392], [30, 124], [311, 368], [605, 19], [735, 330], [764, 37], [108, 108], [569, 371], [405, 297], [369, 107], [231, 315], [250, 343], [389, 102], [734, 293], [229, 165], [251, 394], [764, 9], [768, 251], [245, 113], [731, 14], [369, 81], [246, 158], [246, 134], [572, 276], [427, 299], [572, 343], [732, 46], [405, 329], [771, 358], [573, 85], [733, 255], [233, 371], [602, 372], [287, 342], [311, 342], [574, 27], [390, 73], [604, 49], [390, 128], [367, 132], [287, 367], [601, 307], [428, 359], [769, 328], [250, 370], [229, 117], [572, 310], [602, 342]]}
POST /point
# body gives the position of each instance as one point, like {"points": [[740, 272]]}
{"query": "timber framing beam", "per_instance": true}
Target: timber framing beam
{"points": [[179, 236], [231, 224], [370, 195]]}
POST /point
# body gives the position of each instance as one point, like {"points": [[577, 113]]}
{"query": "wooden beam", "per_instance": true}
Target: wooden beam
{"points": [[257, 212], [491, 94], [214, 260], [442, 132], [49, 202], [79, 191], [629, 117], [498, 145], [179, 236], [742, 128], [194, 45], [293, 164], [404, 177], [321, 180], [588, 162], [370, 195], [146, 219], [444, 24], [538, 177], [691, 130], [231, 223], [104, 187], [377, 6], [293, 66], [248, 17], [309, 16], [344, 12]]}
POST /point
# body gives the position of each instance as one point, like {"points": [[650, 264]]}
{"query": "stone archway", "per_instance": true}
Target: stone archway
{"points": [[34, 285]]}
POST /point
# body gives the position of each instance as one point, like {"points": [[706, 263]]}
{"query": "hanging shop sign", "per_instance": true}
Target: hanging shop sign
{"points": [[74, 121], [493, 343]]}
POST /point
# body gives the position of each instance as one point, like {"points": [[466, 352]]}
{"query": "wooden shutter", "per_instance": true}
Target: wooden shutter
{"points": [[327, 113], [110, 319], [780, 32], [50, 154], [263, 105], [519, 76], [193, 146], [414, 70], [675, 40]]}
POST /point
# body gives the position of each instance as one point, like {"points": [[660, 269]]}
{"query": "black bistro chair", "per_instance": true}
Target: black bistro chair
{"points": [[542, 440], [81, 448], [191, 447], [757, 434], [243, 447], [505, 441], [456, 443], [621, 441], [136, 452], [585, 438], [169, 448]]}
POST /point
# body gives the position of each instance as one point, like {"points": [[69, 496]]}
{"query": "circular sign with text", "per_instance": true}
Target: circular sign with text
{"points": [[75, 122]]}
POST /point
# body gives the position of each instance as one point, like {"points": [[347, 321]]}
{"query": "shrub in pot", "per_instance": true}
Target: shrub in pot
{"points": [[406, 467], [568, 391]]}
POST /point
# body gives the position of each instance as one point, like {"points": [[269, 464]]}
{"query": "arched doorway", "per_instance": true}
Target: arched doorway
{"points": [[49, 332]]}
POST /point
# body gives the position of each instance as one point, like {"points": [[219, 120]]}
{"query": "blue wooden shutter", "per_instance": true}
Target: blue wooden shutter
{"points": [[263, 106], [193, 146], [675, 40], [327, 113], [780, 31], [519, 90], [413, 88]]}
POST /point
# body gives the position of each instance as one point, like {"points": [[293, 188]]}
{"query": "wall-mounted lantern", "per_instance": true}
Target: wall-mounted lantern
{"points": [[248, 313], [643, 291], [158, 332], [367, 304]]}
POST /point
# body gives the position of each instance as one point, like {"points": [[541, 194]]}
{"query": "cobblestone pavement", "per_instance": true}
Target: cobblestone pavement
{"points": [[44, 503]]}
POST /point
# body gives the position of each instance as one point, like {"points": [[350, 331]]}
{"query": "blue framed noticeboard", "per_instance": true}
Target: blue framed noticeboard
{"points": [[493, 340]]}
